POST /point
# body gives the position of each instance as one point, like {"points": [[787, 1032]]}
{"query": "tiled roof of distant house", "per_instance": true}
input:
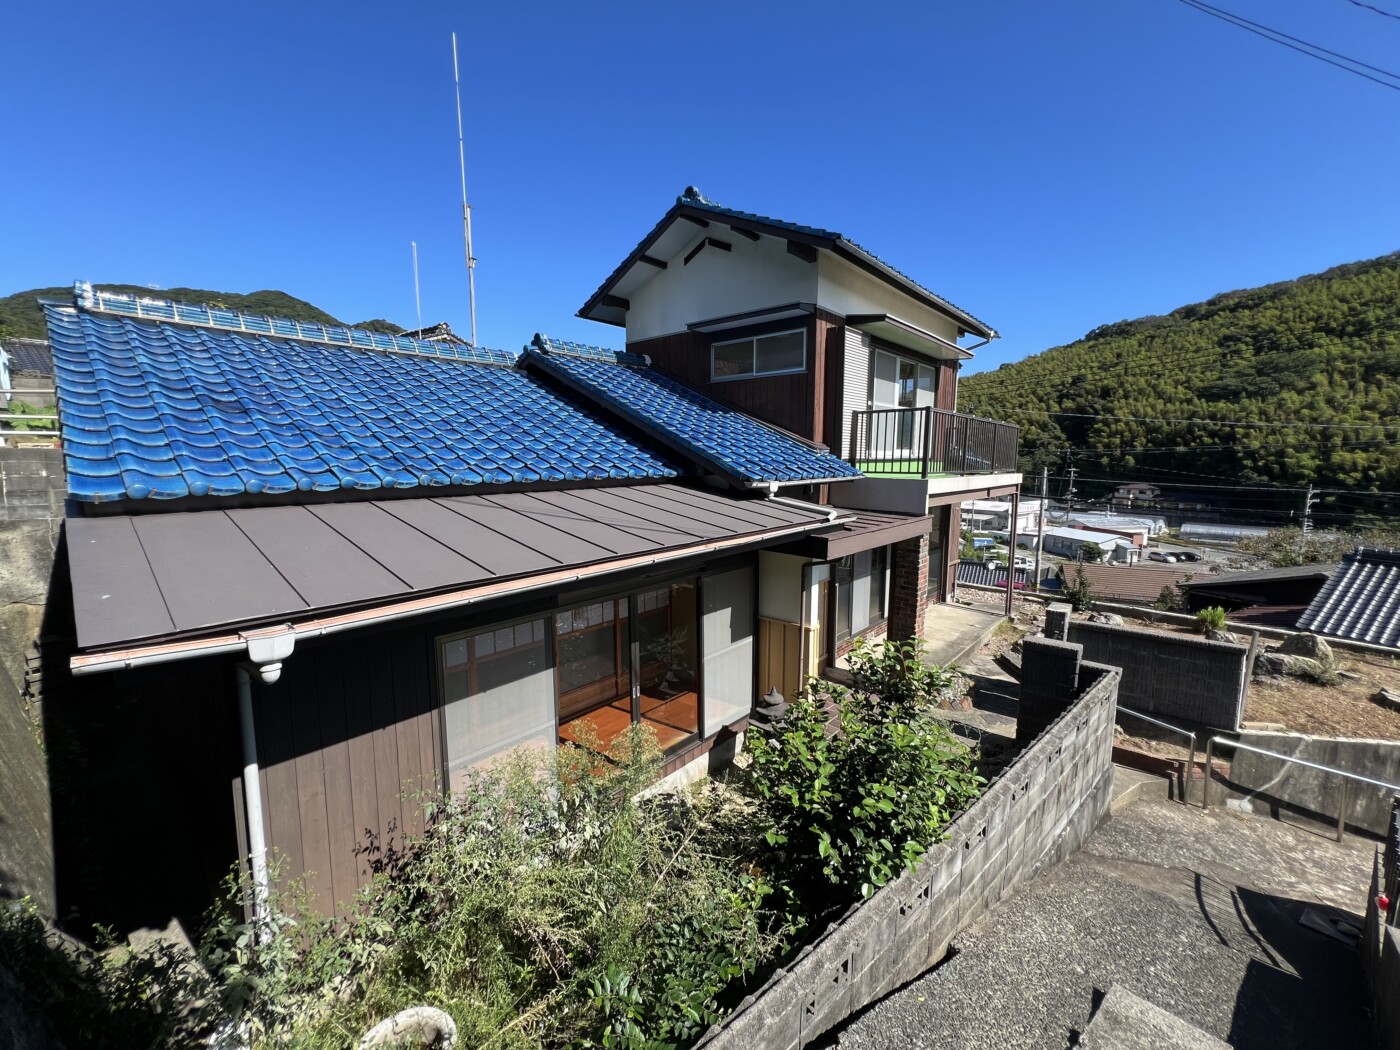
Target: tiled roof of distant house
{"points": [[692, 200], [1137, 583], [722, 439], [28, 355], [1361, 601], [163, 400]]}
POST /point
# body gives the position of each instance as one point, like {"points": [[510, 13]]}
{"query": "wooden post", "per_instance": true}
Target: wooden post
{"points": [[1011, 550]]}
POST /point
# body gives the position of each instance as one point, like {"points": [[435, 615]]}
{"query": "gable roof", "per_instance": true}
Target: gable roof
{"points": [[1139, 583], [722, 440], [694, 205], [1361, 601], [163, 400], [28, 355], [1290, 572]]}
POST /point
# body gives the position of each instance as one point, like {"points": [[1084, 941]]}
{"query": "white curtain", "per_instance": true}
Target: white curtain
{"points": [[728, 631]]}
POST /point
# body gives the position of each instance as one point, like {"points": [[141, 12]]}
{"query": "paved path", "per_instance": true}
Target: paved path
{"points": [[953, 631], [1196, 913]]}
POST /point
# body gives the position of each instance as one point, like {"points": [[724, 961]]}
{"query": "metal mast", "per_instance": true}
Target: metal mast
{"points": [[417, 299], [466, 208]]}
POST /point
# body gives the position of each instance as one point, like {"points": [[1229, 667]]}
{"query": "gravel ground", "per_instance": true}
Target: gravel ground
{"points": [[1197, 913]]}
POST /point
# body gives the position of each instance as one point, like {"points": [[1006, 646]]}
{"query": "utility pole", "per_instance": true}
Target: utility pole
{"points": [[1040, 520], [1070, 493], [1308, 501]]}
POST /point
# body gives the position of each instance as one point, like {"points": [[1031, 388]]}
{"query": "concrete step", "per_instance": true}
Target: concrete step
{"points": [[1125, 1021], [1129, 785]]}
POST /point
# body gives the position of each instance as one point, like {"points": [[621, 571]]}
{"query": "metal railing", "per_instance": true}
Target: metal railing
{"points": [[922, 442], [1345, 776], [1189, 773]]}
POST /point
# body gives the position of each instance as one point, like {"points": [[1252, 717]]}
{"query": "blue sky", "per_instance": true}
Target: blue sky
{"points": [[1049, 167]]}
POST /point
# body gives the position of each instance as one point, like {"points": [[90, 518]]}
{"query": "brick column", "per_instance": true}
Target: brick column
{"points": [[908, 588]]}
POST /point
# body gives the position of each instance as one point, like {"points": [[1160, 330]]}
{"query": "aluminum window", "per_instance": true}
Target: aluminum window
{"points": [[772, 354]]}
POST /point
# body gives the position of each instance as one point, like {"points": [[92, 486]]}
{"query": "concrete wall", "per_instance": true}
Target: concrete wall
{"points": [[1038, 811], [32, 486], [1173, 676], [1313, 790], [1380, 941]]}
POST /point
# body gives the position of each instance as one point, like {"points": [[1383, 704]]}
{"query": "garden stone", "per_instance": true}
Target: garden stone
{"points": [[1275, 662], [418, 1026], [1111, 619], [1221, 636], [1310, 646]]}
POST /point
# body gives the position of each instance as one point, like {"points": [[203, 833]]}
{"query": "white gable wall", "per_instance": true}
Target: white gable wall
{"points": [[753, 275], [845, 289]]}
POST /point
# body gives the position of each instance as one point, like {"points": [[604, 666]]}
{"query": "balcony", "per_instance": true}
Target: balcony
{"points": [[931, 443]]}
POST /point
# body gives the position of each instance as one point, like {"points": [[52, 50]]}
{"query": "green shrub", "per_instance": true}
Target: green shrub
{"points": [[546, 904], [854, 809], [1211, 619], [1079, 594]]}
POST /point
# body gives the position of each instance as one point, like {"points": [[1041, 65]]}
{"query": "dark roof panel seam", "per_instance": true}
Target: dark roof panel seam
{"points": [[485, 572], [557, 508], [693, 513], [540, 520], [686, 536], [272, 564], [151, 569], [459, 507], [406, 585]]}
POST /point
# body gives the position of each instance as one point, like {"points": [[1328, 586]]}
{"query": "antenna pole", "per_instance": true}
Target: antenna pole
{"points": [[417, 300], [466, 208]]}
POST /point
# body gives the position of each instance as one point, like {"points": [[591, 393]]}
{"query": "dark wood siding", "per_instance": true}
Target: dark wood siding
{"points": [[946, 396], [788, 401]]}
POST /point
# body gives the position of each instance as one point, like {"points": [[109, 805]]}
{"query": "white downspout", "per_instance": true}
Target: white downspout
{"points": [[252, 797]]}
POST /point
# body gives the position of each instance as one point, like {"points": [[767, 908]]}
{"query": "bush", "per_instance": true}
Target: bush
{"points": [[1171, 599], [1079, 594], [855, 809], [1211, 619], [547, 904]]}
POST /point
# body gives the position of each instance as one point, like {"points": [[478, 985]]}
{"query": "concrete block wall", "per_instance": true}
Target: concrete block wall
{"points": [[32, 484], [1041, 809], [1173, 676], [1049, 684]]}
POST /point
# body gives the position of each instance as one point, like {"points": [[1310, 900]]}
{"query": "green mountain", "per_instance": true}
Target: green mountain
{"points": [[22, 317], [1316, 359]]}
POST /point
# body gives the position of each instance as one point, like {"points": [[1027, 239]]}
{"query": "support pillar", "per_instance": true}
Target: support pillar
{"points": [[908, 588], [1012, 533]]}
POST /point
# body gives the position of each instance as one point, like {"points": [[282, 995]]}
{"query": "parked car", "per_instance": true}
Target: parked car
{"points": [[1187, 556], [1025, 561], [1161, 556]]}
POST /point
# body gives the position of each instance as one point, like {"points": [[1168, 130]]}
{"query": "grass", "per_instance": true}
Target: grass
{"points": [[899, 468]]}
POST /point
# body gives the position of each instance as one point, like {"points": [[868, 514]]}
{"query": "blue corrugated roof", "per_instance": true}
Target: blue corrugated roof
{"points": [[181, 408], [719, 437]]}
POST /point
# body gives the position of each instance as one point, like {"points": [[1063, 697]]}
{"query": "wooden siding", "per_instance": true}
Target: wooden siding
{"points": [[779, 656], [946, 395], [788, 401], [348, 739], [952, 547]]}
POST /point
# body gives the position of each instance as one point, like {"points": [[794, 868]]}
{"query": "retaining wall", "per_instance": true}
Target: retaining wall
{"points": [[1038, 811], [1380, 941], [1313, 790], [1173, 676], [32, 484]]}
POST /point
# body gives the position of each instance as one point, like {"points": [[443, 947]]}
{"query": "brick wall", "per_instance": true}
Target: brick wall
{"points": [[1041, 808], [908, 588]]}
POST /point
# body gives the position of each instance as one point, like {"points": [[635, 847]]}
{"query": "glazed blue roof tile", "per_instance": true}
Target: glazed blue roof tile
{"points": [[162, 410], [718, 436]]}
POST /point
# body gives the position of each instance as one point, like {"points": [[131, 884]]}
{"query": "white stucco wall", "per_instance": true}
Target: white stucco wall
{"points": [[780, 586], [753, 275], [845, 289]]}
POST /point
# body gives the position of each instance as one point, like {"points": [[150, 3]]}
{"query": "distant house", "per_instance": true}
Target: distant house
{"points": [[1125, 524], [1137, 490], [1361, 601], [1269, 597], [1070, 543], [985, 515]]}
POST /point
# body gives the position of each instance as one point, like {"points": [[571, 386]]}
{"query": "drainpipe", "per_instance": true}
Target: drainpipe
{"points": [[252, 796]]}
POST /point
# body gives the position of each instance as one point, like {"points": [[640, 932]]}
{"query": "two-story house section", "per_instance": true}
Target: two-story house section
{"points": [[805, 329]]}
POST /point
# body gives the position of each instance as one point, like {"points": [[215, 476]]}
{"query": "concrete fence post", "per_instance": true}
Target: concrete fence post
{"points": [[1057, 621]]}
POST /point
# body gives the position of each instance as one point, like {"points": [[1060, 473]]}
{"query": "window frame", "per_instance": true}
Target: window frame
{"points": [[754, 340]]}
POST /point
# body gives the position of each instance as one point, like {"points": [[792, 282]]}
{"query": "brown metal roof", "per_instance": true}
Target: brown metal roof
{"points": [[161, 576], [1132, 582], [867, 531]]}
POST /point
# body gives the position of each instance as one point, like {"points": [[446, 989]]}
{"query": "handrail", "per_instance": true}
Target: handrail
{"points": [[926, 440], [1344, 774], [1190, 770]]}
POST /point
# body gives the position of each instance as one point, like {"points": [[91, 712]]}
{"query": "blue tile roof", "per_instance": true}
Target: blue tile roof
{"points": [[167, 409], [28, 355], [720, 438]]}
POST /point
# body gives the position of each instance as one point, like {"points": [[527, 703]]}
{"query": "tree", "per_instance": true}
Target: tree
{"points": [[1079, 594], [1091, 554]]}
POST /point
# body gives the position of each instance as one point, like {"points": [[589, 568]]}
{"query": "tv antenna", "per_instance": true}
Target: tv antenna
{"points": [[466, 208], [417, 300]]}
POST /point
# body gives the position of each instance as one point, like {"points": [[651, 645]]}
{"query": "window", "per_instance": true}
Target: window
{"points": [[666, 656], [861, 587], [729, 648], [498, 693], [779, 353], [898, 382], [590, 645]]}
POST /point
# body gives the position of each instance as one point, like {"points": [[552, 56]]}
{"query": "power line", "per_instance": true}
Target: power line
{"points": [[1372, 7], [1210, 422], [1348, 64]]}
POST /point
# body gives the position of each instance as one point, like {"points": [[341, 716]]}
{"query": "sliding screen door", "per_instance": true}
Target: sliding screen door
{"points": [[729, 648]]}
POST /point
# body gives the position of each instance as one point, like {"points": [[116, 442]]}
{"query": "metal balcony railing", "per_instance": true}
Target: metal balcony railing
{"points": [[927, 442]]}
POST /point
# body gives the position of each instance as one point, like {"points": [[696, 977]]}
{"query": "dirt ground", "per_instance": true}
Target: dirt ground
{"points": [[1344, 710]]}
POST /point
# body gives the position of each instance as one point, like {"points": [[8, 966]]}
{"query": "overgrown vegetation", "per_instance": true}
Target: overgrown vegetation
{"points": [[1323, 349], [1212, 618], [554, 901], [856, 808], [1171, 599], [1285, 547]]}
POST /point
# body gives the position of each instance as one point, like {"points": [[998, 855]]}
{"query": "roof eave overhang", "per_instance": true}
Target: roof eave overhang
{"points": [[839, 542], [235, 639], [860, 257], [909, 336]]}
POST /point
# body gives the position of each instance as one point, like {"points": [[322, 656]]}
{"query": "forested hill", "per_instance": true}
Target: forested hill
{"points": [[22, 317], [1322, 349]]}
